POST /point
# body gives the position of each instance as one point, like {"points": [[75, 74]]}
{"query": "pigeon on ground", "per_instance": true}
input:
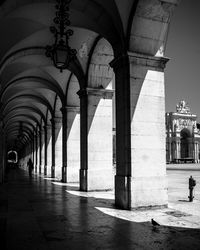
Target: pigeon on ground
{"points": [[154, 223]]}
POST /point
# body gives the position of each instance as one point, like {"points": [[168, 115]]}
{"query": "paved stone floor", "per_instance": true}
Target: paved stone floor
{"points": [[40, 213]]}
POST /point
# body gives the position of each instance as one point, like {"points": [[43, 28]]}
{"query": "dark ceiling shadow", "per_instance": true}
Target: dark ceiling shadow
{"points": [[2, 2]]}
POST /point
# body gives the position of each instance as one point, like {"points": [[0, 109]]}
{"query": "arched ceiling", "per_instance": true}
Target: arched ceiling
{"points": [[31, 88], [30, 84]]}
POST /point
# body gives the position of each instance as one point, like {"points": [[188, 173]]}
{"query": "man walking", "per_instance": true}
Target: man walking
{"points": [[30, 167]]}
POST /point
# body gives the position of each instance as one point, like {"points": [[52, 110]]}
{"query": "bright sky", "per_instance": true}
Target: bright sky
{"points": [[183, 48]]}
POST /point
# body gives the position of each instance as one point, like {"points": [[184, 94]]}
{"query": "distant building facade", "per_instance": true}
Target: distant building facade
{"points": [[182, 135]]}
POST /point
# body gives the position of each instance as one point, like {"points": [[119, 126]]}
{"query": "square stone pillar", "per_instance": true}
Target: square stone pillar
{"points": [[73, 144], [52, 147], [38, 155], [42, 149], [49, 150], [47, 147], [197, 152], [178, 148], [58, 147], [64, 144], [96, 127], [35, 150], [140, 179]]}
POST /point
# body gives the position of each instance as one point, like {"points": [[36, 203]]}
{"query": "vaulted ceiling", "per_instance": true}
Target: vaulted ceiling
{"points": [[31, 88]]}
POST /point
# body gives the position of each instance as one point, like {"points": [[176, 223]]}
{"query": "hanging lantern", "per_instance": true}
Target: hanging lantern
{"points": [[60, 52]]}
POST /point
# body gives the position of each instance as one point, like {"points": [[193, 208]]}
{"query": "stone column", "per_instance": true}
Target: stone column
{"points": [[35, 154], [64, 144], [140, 179], [177, 149], [42, 146], [68, 170], [196, 154], [58, 147], [170, 150], [197, 151], [83, 139], [36, 150], [40, 149], [170, 145], [45, 149], [123, 132], [49, 149], [33, 148], [73, 144], [194, 150], [53, 148], [174, 150], [96, 171]]}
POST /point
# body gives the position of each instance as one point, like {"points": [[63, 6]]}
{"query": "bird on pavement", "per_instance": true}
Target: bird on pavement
{"points": [[154, 223]]}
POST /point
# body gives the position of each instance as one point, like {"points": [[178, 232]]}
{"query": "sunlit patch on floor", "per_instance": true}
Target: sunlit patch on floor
{"points": [[73, 184], [49, 178], [99, 195], [163, 216], [59, 183]]}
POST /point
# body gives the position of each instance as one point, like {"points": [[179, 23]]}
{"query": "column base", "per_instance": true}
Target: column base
{"points": [[45, 170], [96, 179], [140, 192], [52, 171], [64, 174], [83, 180], [123, 192]]}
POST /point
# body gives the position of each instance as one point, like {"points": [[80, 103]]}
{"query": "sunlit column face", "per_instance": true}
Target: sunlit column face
{"points": [[58, 152], [148, 122]]}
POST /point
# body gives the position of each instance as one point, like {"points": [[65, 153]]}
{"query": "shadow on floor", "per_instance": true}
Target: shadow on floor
{"points": [[42, 215]]}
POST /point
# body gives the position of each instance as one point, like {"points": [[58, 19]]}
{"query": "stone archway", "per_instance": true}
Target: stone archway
{"points": [[12, 156], [186, 143], [136, 32]]}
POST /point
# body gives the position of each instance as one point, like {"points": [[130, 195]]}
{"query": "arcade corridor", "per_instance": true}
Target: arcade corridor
{"points": [[71, 73], [39, 214]]}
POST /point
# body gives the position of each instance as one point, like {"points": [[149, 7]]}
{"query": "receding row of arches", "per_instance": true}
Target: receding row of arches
{"points": [[64, 121]]}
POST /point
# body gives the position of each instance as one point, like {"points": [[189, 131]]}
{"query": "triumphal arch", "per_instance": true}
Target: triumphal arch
{"points": [[182, 135]]}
